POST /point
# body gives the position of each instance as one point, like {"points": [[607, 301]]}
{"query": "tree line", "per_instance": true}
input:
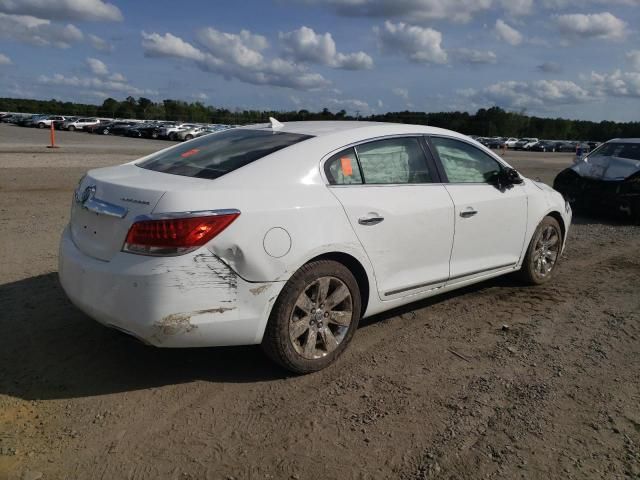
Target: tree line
{"points": [[489, 122]]}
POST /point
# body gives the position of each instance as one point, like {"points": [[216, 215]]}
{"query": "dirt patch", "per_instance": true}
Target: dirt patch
{"points": [[555, 394]]}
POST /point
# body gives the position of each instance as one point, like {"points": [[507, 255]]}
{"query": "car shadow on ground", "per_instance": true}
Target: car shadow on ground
{"points": [[49, 349]]}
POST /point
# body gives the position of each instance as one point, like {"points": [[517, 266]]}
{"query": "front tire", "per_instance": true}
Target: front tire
{"points": [[543, 253], [314, 318]]}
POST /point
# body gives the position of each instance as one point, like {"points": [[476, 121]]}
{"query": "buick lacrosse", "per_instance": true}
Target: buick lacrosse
{"points": [[286, 235]]}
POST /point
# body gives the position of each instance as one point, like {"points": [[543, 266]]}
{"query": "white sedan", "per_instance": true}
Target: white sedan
{"points": [[285, 235]]}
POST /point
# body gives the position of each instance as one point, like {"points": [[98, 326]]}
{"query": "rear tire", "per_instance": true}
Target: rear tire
{"points": [[543, 253], [314, 317], [71, 128], [41, 125]]}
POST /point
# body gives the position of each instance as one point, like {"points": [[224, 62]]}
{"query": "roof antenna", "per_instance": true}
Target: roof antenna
{"points": [[275, 124]]}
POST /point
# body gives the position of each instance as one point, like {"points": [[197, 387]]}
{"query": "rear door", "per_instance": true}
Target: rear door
{"points": [[490, 222], [399, 210]]}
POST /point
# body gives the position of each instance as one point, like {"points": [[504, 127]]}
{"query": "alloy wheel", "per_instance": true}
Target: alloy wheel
{"points": [[321, 317], [546, 251]]}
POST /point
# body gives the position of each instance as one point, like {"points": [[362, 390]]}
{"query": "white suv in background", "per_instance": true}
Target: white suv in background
{"points": [[79, 124]]}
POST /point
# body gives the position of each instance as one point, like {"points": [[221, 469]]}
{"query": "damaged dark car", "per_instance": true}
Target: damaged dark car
{"points": [[606, 181]]}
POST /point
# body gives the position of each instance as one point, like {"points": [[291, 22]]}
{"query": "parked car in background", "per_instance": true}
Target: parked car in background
{"points": [[188, 134], [566, 147], [525, 143], [544, 146], [170, 131], [112, 128], [608, 179], [198, 244], [495, 142], [145, 130], [46, 121], [29, 120], [510, 142], [79, 123]]}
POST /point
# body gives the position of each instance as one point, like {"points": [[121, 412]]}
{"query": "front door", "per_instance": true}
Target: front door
{"points": [[490, 223]]}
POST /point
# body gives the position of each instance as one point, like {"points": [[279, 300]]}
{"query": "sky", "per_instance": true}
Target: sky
{"points": [[553, 58]]}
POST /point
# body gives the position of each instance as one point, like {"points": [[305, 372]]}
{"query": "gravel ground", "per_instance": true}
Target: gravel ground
{"points": [[546, 383]]}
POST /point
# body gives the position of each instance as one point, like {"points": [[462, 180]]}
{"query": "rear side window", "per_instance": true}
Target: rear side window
{"points": [[215, 155], [343, 169]]}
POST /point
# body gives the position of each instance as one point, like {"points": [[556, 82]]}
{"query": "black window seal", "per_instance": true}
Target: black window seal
{"points": [[445, 178], [425, 156]]}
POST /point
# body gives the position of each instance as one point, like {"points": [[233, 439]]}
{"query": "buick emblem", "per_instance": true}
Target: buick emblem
{"points": [[88, 193]]}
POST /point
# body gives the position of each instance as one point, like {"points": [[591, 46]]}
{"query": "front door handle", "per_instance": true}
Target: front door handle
{"points": [[370, 219], [468, 212]]}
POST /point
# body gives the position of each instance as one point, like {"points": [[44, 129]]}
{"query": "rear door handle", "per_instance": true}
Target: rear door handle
{"points": [[370, 219], [468, 212]]}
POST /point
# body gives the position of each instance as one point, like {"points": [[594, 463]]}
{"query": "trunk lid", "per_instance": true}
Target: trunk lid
{"points": [[106, 203]]}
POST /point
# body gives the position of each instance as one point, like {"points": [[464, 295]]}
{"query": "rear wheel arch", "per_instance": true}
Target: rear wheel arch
{"points": [[357, 270]]}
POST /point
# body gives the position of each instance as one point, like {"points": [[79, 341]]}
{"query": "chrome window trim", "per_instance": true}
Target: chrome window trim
{"points": [[353, 145], [480, 147]]}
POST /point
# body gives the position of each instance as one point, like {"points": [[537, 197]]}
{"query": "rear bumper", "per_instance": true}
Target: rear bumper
{"points": [[187, 301]]}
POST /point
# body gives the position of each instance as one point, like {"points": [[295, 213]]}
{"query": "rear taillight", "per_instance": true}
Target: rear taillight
{"points": [[176, 234]]}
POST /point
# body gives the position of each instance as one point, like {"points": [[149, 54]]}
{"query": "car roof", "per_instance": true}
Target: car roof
{"points": [[352, 128], [626, 140]]}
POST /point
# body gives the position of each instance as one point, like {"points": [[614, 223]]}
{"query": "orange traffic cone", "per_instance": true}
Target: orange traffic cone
{"points": [[53, 137]]}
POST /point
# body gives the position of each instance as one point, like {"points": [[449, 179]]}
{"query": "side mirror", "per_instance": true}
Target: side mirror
{"points": [[512, 177]]}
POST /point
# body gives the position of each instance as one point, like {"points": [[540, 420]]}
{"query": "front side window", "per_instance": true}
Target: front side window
{"points": [[395, 160], [213, 156], [464, 163]]}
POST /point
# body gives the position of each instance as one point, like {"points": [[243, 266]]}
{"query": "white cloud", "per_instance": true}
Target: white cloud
{"points": [[117, 77], [4, 60], [549, 67], [380, 104], [415, 11], [617, 84], [241, 49], [535, 94], [168, 45], [307, 46], [234, 56], [401, 92], [603, 25], [97, 67], [507, 33], [350, 104], [81, 10], [469, 55], [200, 96], [517, 7], [94, 83], [418, 44], [100, 44], [38, 32], [561, 4], [633, 57]]}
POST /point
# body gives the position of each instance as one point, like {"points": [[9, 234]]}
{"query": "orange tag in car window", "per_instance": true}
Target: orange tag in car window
{"points": [[345, 164], [188, 153]]}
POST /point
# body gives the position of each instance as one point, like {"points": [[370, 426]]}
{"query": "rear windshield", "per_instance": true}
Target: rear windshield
{"points": [[214, 155], [619, 149]]}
